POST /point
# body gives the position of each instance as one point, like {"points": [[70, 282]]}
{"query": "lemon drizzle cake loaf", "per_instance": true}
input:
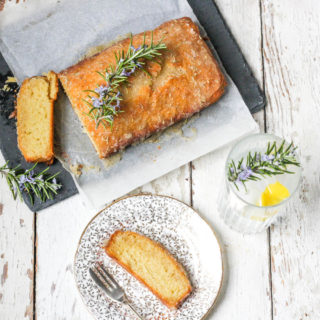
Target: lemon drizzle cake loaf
{"points": [[152, 264], [35, 117], [187, 80]]}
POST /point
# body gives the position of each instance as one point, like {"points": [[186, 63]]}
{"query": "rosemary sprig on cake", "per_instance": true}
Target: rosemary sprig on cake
{"points": [[40, 185], [105, 100], [257, 166]]}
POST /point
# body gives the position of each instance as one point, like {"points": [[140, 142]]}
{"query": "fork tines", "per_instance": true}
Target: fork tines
{"points": [[104, 276]]}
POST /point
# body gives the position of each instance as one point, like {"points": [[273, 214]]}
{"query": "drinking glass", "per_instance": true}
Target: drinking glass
{"points": [[239, 206]]}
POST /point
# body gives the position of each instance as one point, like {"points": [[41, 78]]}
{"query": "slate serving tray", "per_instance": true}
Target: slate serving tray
{"points": [[10, 151], [227, 49]]}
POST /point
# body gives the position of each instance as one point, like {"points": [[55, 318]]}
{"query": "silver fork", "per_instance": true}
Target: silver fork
{"points": [[106, 282]]}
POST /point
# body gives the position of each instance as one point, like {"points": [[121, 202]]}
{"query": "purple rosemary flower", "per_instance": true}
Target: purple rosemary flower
{"points": [[138, 65], [26, 178], [267, 158], [245, 174], [117, 105], [135, 49], [127, 73], [97, 103], [101, 90], [231, 170], [55, 184], [22, 180], [108, 117]]}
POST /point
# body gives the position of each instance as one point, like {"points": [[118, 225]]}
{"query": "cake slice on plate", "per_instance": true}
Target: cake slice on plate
{"points": [[151, 264]]}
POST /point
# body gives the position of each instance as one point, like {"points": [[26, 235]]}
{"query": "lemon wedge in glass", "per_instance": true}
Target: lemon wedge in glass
{"points": [[274, 194]]}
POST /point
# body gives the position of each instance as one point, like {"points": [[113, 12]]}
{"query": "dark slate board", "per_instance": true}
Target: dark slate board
{"points": [[229, 53], [10, 151], [227, 49]]}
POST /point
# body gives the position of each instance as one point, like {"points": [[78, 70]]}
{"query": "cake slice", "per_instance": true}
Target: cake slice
{"points": [[185, 80], [151, 264], [35, 117]]}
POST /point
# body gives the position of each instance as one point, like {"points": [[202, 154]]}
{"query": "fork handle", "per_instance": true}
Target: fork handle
{"points": [[126, 301]]}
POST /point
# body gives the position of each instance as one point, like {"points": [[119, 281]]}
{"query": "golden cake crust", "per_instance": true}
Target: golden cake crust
{"points": [[188, 80], [175, 303]]}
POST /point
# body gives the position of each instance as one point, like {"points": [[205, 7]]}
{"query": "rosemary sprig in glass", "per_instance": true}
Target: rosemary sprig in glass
{"points": [[257, 166], [104, 101], [20, 181]]}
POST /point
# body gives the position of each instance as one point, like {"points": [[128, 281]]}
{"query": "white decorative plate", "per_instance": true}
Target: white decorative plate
{"points": [[178, 228]]}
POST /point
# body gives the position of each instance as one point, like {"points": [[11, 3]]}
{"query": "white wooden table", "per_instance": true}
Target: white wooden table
{"points": [[272, 275]]}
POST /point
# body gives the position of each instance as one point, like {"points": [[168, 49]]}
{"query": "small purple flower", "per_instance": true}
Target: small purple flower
{"points": [[245, 174], [55, 185], [117, 105], [231, 170], [135, 49], [40, 178], [101, 90], [139, 65], [108, 117], [22, 180], [26, 178], [97, 103], [266, 157], [127, 73]]}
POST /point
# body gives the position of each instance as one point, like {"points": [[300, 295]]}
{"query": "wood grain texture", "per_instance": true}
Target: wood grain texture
{"points": [[291, 31], [58, 231], [16, 256], [246, 290], [291, 41]]}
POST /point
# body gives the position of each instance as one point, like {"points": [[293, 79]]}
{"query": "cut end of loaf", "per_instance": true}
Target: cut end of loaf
{"points": [[35, 117], [151, 264]]}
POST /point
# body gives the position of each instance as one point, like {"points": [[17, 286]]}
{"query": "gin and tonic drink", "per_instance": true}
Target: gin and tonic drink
{"points": [[262, 174]]}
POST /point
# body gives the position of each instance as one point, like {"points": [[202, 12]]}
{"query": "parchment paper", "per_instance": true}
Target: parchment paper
{"points": [[55, 35]]}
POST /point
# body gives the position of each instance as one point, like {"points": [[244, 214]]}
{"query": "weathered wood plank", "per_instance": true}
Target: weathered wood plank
{"points": [[246, 290], [292, 74], [16, 256], [58, 231]]}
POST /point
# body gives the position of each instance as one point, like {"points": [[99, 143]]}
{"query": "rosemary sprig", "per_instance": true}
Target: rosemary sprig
{"points": [[41, 185], [257, 166], [104, 101]]}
